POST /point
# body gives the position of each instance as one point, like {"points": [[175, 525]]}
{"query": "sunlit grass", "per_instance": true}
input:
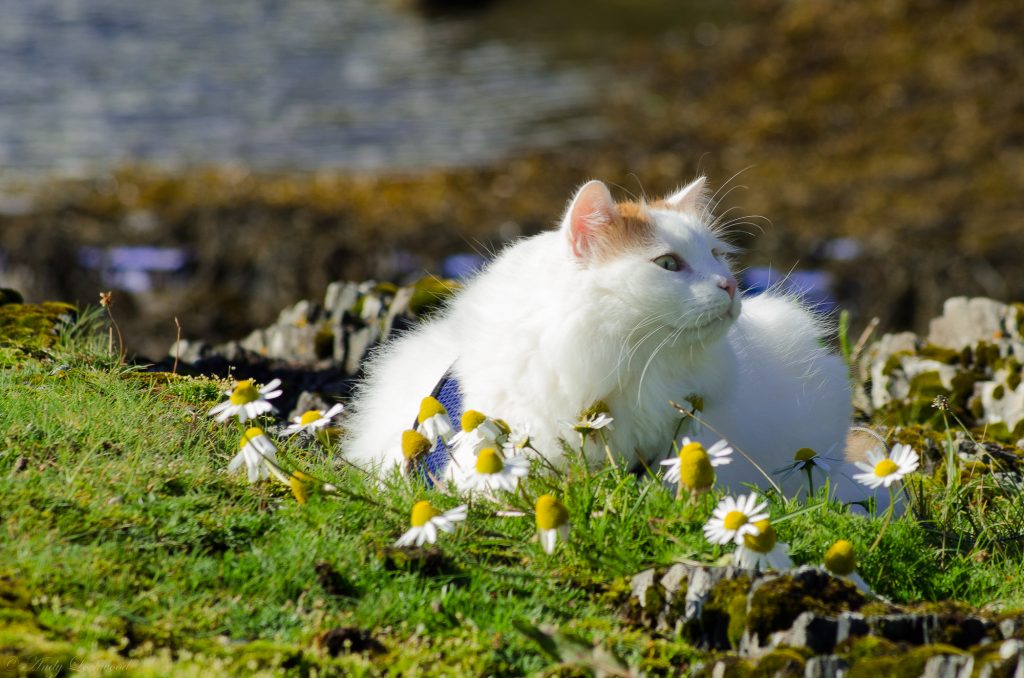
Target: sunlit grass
{"points": [[128, 536]]}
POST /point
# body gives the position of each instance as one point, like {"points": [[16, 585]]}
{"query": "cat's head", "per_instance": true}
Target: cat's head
{"points": [[661, 261]]}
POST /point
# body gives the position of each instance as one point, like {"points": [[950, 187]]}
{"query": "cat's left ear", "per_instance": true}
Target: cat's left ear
{"points": [[591, 218], [689, 198]]}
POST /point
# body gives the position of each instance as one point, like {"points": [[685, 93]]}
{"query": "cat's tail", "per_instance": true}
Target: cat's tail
{"points": [[399, 374]]}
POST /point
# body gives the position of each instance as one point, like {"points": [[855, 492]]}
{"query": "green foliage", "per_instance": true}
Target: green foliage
{"points": [[129, 542]]}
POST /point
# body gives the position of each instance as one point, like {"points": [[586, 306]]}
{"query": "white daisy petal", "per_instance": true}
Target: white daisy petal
{"points": [[548, 539], [429, 532]]}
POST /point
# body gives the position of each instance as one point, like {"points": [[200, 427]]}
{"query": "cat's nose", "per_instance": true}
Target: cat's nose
{"points": [[729, 285]]}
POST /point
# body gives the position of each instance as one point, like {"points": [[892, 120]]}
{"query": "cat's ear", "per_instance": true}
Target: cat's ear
{"points": [[591, 217], [688, 198]]}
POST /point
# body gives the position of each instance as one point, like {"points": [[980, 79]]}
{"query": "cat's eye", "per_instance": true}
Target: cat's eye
{"points": [[670, 262]]}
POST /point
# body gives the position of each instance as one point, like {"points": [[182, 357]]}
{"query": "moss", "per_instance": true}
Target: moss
{"points": [[716, 626], [429, 293], [940, 354], [928, 385], [32, 327], [976, 408], [870, 656], [894, 362], [783, 661], [385, 289], [1013, 381], [13, 594], [986, 354], [776, 603], [998, 392], [430, 562], [9, 296], [323, 342], [855, 648]]}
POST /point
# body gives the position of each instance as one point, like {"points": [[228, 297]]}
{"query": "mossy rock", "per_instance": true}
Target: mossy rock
{"points": [[900, 664], [429, 293], [9, 296], [782, 661], [775, 603], [429, 562], [34, 327], [723, 616]]}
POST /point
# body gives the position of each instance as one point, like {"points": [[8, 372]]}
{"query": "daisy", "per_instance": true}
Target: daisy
{"points": [[733, 519], [762, 550], [841, 560], [479, 431], [312, 421], [552, 522], [434, 421], [593, 419], [693, 465], [884, 471], [255, 449], [246, 401], [427, 520], [494, 473], [414, 444]]}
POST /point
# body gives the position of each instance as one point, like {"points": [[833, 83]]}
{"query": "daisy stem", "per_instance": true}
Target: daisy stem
{"points": [[675, 436], [607, 449], [810, 480], [888, 517], [324, 438]]}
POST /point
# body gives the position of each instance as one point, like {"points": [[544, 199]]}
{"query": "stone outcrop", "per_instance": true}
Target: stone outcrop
{"points": [[809, 622], [315, 347], [972, 359]]}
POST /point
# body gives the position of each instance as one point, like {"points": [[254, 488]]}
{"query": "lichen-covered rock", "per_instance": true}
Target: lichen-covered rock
{"points": [[971, 361], [807, 622], [352, 318], [966, 321]]}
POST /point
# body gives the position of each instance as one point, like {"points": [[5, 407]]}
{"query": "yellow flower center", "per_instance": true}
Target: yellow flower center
{"points": [[805, 454], [422, 512], [488, 461], [430, 407], [695, 467], [551, 513], [309, 417], [885, 467], [734, 520], [414, 444], [763, 542], [840, 558], [599, 407], [245, 392], [301, 485], [249, 435], [471, 419]]}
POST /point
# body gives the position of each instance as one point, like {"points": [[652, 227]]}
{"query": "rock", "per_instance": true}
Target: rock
{"points": [[828, 666], [915, 629], [820, 633], [776, 601], [646, 597], [967, 321], [949, 666]]}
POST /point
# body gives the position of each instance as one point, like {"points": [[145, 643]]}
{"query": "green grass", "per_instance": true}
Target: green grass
{"points": [[126, 545]]}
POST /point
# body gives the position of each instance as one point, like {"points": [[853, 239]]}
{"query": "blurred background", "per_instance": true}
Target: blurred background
{"points": [[217, 161]]}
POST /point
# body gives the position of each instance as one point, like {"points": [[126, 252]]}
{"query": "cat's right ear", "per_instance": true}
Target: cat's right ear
{"points": [[592, 215]]}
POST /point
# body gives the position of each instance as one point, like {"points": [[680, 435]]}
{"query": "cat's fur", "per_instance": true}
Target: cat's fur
{"points": [[588, 312]]}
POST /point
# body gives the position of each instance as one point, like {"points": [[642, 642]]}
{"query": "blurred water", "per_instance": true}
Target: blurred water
{"points": [[277, 84]]}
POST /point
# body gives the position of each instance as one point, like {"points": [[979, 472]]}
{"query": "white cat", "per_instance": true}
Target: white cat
{"points": [[632, 304]]}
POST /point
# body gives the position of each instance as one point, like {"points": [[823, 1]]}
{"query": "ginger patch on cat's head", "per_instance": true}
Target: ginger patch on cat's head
{"points": [[599, 229]]}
